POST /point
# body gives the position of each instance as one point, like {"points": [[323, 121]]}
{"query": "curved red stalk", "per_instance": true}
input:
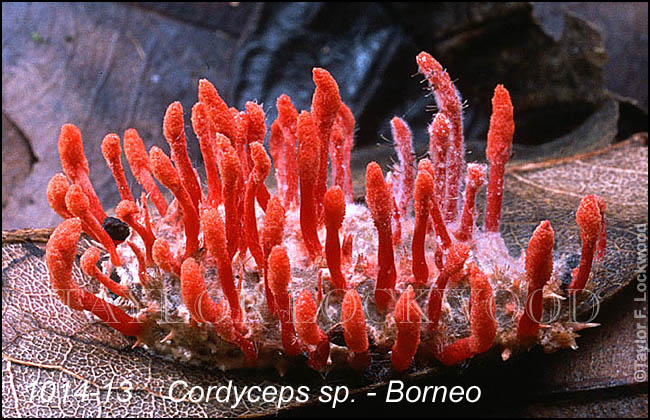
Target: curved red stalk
{"points": [[402, 138], [439, 144], [354, 322], [354, 329], [56, 191], [256, 130], [422, 205], [273, 226], [75, 167], [499, 144], [164, 171], [305, 313], [242, 120], [57, 188], [378, 200], [408, 317], [325, 106], [142, 265], [111, 150], [338, 162], [345, 119], [591, 219], [279, 279], [203, 309], [475, 180], [60, 254], [221, 116], [261, 168], [164, 258], [195, 294], [214, 237], [257, 125], [454, 263], [288, 117], [128, 211], [77, 203], [308, 164], [483, 324], [231, 176], [539, 267], [272, 235], [206, 132], [89, 267], [334, 205], [136, 155], [174, 132], [227, 330], [256, 133], [436, 216], [449, 103]]}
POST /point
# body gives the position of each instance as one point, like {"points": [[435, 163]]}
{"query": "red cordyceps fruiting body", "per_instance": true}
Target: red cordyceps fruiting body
{"points": [[234, 274], [354, 329]]}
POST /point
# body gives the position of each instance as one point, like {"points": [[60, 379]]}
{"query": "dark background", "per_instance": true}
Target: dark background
{"points": [[110, 66]]}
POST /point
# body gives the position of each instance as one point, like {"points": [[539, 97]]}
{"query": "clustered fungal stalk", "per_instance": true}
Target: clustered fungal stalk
{"points": [[334, 205], [60, 254], [136, 155], [539, 268], [379, 202], [591, 219], [499, 143], [475, 179], [214, 237], [449, 127], [422, 205], [410, 272], [205, 134], [279, 280], [165, 172], [174, 131], [408, 319], [308, 167], [88, 263], [354, 329], [272, 235], [406, 168], [483, 324]]}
